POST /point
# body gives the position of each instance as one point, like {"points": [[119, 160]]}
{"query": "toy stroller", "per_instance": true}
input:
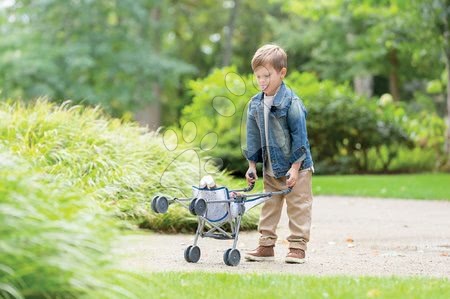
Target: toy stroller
{"points": [[215, 208]]}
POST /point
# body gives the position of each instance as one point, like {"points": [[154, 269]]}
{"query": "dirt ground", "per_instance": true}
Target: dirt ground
{"points": [[349, 236]]}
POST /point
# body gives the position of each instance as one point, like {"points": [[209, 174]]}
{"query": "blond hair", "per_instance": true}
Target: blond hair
{"points": [[270, 54]]}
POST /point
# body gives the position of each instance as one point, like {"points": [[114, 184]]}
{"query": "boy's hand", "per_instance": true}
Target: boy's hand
{"points": [[292, 175], [251, 175]]}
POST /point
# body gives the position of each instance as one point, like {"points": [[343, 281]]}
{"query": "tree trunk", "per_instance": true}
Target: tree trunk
{"points": [[228, 42], [447, 64], [447, 139], [150, 114], [446, 33], [394, 85], [363, 85]]}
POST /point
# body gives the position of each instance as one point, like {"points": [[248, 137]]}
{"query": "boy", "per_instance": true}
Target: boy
{"points": [[277, 137]]}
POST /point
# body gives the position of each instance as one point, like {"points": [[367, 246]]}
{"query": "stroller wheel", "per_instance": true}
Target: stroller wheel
{"points": [[233, 257], [153, 204], [200, 207], [192, 254], [186, 253], [161, 205], [191, 206], [225, 256]]}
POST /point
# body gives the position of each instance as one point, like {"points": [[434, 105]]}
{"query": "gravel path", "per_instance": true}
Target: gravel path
{"points": [[349, 236]]}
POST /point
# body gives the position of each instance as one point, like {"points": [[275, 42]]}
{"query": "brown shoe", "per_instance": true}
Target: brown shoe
{"points": [[261, 254], [295, 256]]}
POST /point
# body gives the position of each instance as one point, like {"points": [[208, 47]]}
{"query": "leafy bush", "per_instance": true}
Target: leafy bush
{"points": [[411, 160], [119, 164], [55, 240], [343, 127], [347, 133], [428, 131], [64, 172], [219, 108], [353, 134]]}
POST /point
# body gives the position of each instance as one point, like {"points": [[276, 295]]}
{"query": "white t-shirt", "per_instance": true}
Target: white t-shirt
{"points": [[268, 101]]}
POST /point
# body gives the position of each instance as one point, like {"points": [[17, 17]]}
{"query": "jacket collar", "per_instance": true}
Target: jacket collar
{"points": [[278, 96]]}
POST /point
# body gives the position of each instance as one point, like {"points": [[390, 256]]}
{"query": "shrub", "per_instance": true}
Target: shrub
{"points": [[118, 163], [428, 131], [219, 107], [64, 172], [55, 241], [343, 127], [345, 130]]}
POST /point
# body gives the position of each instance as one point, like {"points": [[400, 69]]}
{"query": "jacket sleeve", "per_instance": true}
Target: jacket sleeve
{"points": [[297, 127], [253, 152]]}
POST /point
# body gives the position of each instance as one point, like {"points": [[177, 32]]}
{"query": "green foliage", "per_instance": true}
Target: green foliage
{"points": [[345, 39], [97, 52], [415, 160], [218, 107], [119, 164], [64, 172], [55, 239], [347, 133], [353, 134], [428, 131], [126, 54], [179, 221], [114, 161]]}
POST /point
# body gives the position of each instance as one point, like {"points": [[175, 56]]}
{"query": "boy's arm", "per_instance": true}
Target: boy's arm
{"points": [[297, 127], [299, 136], [253, 151]]}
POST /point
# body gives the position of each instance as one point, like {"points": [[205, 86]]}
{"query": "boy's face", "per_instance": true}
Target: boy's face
{"points": [[268, 78]]}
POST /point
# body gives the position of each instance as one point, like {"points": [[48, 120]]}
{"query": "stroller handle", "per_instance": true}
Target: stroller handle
{"points": [[250, 185]]}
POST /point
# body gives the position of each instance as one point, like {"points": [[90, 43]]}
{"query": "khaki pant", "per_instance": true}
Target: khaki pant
{"points": [[299, 203]]}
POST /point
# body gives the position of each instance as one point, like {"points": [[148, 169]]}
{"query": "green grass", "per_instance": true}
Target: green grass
{"points": [[223, 285], [406, 186], [413, 186]]}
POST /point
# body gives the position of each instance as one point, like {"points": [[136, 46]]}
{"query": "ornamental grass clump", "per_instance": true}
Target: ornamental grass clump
{"points": [[66, 173], [119, 164], [55, 240]]}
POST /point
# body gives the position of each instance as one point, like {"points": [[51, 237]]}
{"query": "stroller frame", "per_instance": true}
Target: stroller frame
{"points": [[235, 207]]}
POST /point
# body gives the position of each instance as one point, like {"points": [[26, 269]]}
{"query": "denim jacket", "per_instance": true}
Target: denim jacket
{"points": [[288, 138]]}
